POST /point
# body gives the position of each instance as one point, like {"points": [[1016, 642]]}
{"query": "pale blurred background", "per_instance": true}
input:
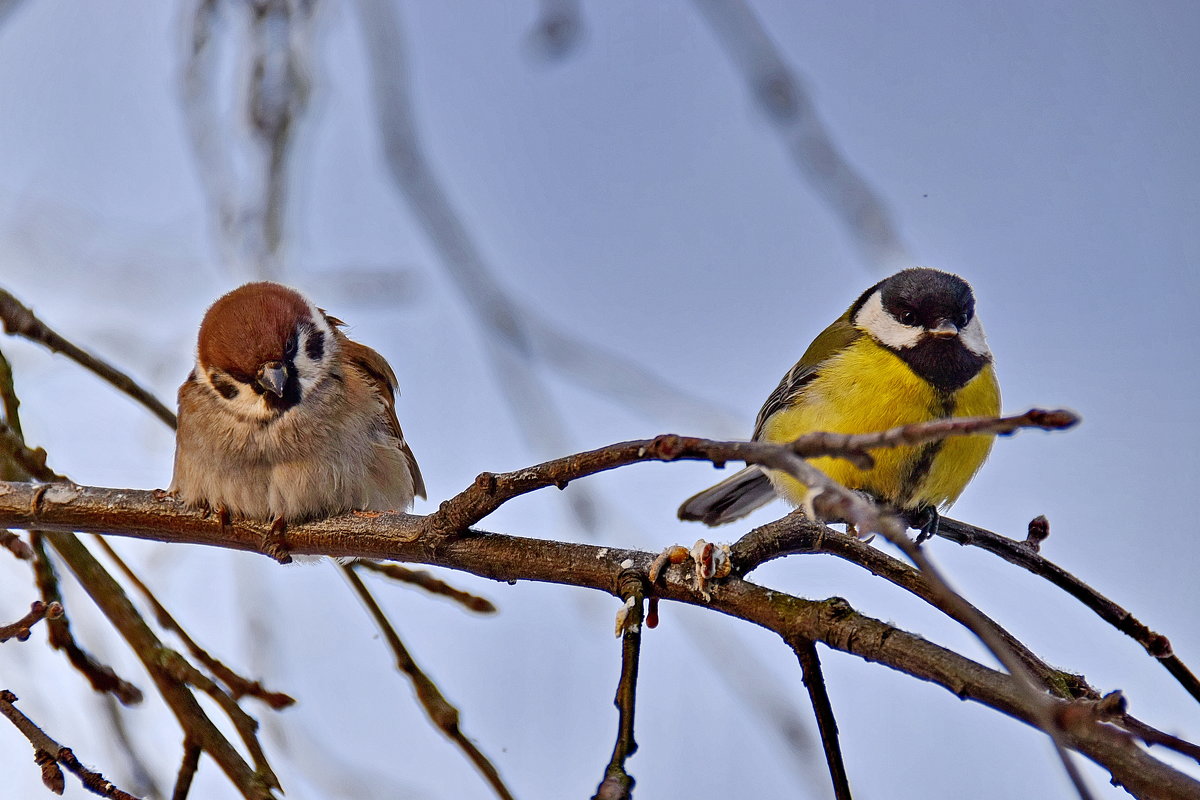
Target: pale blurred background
{"points": [[625, 188]]}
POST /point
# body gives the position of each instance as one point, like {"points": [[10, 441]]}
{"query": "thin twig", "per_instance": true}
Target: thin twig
{"points": [[491, 490], [238, 686], [101, 676], [46, 750], [618, 783], [430, 584], [20, 321], [1024, 555], [187, 770], [38, 611], [814, 681], [440, 711], [12, 404]]}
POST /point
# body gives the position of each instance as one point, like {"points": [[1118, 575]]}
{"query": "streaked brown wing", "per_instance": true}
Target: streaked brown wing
{"points": [[380, 373]]}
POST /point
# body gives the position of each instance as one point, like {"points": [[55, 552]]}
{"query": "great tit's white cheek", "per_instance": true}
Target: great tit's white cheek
{"points": [[973, 338], [883, 327]]}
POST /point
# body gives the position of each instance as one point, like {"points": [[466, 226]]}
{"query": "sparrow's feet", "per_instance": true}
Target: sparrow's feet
{"points": [[274, 543]]}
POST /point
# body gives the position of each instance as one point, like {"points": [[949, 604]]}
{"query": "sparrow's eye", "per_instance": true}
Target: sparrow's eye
{"points": [[908, 317], [289, 350]]}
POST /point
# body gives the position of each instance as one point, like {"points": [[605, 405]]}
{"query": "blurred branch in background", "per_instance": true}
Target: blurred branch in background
{"points": [[558, 30], [781, 96], [250, 209]]}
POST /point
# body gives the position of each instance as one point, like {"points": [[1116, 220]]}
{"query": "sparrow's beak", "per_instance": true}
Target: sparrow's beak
{"points": [[272, 377], [945, 330]]}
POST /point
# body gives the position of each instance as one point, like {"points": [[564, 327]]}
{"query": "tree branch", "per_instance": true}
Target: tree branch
{"points": [[152, 516], [49, 754], [814, 681], [20, 321], [443, 715]]}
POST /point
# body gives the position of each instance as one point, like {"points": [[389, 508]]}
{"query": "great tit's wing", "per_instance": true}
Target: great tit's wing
{"points": [[731, 499], [831, 341], [379, 372]]}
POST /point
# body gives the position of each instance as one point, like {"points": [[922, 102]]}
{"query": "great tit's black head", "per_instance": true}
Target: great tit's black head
{"points": [[929, 299], [927, 317]]}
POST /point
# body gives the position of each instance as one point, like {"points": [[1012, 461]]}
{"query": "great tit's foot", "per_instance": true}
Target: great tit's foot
{"points": [[926, 520], [274, 542]]}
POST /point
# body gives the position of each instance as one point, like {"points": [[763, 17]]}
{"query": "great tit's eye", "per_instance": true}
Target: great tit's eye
{"points": [[963, 319], [908, 317]]}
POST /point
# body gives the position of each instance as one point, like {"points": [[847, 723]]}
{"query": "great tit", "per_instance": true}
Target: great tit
{"points": [[910, 349]]}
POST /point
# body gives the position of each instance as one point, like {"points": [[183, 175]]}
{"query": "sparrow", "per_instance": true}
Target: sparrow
{"points": [[910, 349], [286, 419]]}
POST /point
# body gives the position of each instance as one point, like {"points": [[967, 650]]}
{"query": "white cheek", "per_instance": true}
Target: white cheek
{"points": [[973, 339], [883, 327]]}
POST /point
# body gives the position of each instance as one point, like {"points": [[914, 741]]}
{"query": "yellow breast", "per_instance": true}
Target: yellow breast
{"points": [[867, 388]]}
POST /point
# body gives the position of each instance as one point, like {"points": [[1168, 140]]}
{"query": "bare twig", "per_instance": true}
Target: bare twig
{"points": [[1024, 555], [12, 404], [440, 711], [20, 321], [781, 96], [430, 584], [101, 676], [814, 681], [48, 753], [187, 770], [491, 490], [796, 534], [16, 545], [238, 686], [618, 783], [38, 611]]}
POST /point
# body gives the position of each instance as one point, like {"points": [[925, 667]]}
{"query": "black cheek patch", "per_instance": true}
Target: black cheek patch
{"points": [[224, 387], [315, 346]]}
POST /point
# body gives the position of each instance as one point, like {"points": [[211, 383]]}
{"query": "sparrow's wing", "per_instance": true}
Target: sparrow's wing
{"points": [[381, 376]]}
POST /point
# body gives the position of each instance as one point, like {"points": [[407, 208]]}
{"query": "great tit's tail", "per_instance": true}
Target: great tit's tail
{"points": [[731, 499]]}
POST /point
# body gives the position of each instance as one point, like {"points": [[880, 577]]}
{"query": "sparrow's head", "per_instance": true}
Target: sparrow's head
{"points": [[262, 347], [926, 317]]}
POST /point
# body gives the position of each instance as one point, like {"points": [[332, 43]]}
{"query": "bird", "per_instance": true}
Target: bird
{"points": [[910, 349], [286, 419]]}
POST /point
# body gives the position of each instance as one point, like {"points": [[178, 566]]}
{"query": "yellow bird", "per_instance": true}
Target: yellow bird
{"points": [[910, 349]]}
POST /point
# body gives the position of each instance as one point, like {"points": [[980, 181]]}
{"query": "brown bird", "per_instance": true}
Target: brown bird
{"points": [[285, 419]]}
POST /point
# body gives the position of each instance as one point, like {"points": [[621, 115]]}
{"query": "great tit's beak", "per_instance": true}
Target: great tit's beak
{"points": [[945, 330], [272, 377]]}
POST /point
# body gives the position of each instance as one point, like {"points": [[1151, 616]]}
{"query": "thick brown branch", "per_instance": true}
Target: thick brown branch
{"points": [[797, 535], [20, 321], [149, 515]]}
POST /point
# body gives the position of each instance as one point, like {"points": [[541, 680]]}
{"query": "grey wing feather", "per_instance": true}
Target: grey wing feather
{"points": [[731, 499]]}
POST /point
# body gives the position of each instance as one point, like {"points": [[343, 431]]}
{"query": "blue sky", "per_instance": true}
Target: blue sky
{"points": [[633, 195]]}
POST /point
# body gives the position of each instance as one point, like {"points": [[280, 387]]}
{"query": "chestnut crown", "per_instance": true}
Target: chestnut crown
{"points": [[251, 326]]}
